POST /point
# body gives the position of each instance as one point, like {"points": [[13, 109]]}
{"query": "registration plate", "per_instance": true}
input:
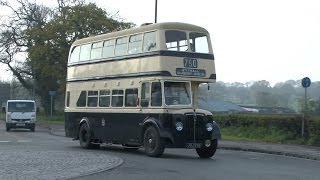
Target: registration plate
{"points": [[20, 124], [193, 145]]}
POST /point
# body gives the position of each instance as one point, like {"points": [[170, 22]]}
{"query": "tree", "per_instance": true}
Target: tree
{"points": [[45, 35]]}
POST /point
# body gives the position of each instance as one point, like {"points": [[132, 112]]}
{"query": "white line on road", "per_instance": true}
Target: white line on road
{"points": [[24, 141], [4, 141]]}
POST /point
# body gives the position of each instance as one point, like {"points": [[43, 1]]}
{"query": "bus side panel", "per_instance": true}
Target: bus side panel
{"points": [[118, 128], [71, 124]]}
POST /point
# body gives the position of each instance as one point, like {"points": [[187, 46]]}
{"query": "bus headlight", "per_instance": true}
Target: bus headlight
{"points": [[179, 126], [209, 127]]}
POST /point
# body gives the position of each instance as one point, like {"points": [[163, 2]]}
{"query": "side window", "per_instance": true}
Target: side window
{"points": [[156, 94], [135, 44], [74, 57], [92, 99], [96, 50], [82, 99], [121, 46], [131, 97], [176, 41], [85, 52], [117, 98], [145, 94], [104, 98], [108, 48], [199, 42], [68, 99], [149, 42]]}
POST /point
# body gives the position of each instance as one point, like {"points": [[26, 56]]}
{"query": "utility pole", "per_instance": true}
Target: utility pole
{"points": [[156, 11], [306, 82]]}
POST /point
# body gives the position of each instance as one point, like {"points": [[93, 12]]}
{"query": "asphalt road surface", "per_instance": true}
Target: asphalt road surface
{"points": [[39, 155]]}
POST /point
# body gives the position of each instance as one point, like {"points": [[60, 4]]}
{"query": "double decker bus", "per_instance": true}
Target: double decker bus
{"points": [[139, 88]]}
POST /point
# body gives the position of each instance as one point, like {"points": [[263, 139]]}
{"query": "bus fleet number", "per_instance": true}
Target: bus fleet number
{"points": [[190, 62]]}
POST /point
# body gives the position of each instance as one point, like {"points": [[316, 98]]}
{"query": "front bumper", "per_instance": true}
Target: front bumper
{"points": [[23, 125]]}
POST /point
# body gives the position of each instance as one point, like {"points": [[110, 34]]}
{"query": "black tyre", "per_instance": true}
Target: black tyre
{"points": [[85, 138], [208, 152], [7, 128], [32, 129], [153, 144]]}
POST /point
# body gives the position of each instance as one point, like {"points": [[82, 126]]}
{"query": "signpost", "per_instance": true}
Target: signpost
{"points": [[306, 82], [52, 93]]}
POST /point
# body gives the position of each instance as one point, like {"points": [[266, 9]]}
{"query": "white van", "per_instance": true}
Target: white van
{"points": [[21, 114]]}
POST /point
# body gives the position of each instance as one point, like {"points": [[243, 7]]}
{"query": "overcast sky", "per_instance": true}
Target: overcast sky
{"points": [[273, 40]]}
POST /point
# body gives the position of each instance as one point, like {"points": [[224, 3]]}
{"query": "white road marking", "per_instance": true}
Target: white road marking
{"points": [[24, 141], [4, 141]]}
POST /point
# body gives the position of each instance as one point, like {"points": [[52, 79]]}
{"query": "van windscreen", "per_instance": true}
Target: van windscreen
{"points": [[21, 107]]}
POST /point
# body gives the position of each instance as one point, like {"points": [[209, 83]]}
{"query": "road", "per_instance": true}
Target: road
{"points": [[39, 155]]}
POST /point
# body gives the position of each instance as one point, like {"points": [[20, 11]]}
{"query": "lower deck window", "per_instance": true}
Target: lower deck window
{"points": [[82, 99], [104, 98], [131, 97], [92, 98], [117, 98]]}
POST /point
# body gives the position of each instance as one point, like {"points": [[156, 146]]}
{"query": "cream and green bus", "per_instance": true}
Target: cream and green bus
{"points": [[139, 88]]}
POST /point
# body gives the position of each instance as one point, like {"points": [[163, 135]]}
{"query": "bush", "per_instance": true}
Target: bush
{"points": [[270, 128]]}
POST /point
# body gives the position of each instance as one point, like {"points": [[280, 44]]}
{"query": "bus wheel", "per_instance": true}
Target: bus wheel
{"points": [[208, 152], [153, 144], [85, 138]]}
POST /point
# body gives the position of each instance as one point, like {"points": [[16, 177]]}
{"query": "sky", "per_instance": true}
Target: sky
{"points": [[273, 40]]}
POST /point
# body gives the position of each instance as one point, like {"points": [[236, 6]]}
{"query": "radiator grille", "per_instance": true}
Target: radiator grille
{"points": [[194, 127]]}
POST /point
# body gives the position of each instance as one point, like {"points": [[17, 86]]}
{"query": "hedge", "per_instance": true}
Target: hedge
{"points": [[271, 128]]}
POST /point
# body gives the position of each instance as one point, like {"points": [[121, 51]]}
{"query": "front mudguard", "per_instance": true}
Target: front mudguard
{"points": [[216, 133]]}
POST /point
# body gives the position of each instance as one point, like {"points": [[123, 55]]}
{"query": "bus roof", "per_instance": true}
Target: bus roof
{"points": [[144, 28]]}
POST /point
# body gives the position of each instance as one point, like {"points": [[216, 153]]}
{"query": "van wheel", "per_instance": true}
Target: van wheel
{"points": [[85, 138], [7, 128], [208, 152], [32, 129], [153, 144]]}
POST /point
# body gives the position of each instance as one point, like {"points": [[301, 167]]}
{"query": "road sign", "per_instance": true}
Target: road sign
{"points": [[52, 93], [306, 82]]}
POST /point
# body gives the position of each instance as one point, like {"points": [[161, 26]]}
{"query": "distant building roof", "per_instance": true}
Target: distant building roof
{"points": [[220, 106]]}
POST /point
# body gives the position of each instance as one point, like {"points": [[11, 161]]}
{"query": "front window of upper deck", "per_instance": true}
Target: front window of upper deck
{"points": [[177, 93], [176, 40], [199, 42]]}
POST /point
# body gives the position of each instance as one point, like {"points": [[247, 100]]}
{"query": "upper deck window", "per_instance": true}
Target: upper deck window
{"points": [[74, 57], [135, 44], [85, 52], [108, 47], [96, 51], [121, 46], [176, 40], [149, 41], [199, 42]]}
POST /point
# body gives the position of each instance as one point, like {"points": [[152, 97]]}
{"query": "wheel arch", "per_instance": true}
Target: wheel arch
{"points": [[156, 123], [84, 120]]}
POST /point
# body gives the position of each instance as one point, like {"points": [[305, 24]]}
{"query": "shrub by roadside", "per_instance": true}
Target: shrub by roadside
{"points": [[269, 128]]}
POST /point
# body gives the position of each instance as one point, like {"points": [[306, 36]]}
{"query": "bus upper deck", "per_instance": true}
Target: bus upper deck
{"points": [[163, 49]]}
